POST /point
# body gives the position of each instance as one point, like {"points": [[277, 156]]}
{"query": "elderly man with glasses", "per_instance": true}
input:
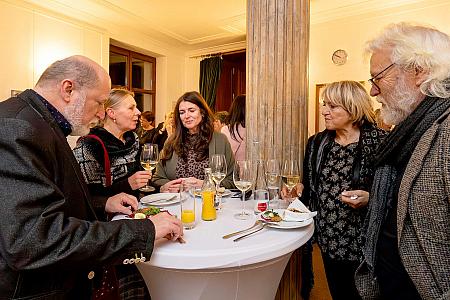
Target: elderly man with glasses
{"points": [[406, 255]]}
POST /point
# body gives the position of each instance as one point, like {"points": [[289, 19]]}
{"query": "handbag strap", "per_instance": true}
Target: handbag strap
{"points": [[107, 164]]}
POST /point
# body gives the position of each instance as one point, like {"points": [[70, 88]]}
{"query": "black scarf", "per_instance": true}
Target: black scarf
{"points": [[390, 162]]}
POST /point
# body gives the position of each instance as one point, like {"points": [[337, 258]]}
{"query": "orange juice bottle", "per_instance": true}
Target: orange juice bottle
{"points": [[208, 193]]}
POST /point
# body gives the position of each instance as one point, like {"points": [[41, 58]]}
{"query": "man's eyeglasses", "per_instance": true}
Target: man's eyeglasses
{"points": [[377, 76]]}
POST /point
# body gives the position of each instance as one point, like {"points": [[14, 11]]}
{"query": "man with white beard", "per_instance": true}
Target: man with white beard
{"points": [[407, 231], [51, 244]]}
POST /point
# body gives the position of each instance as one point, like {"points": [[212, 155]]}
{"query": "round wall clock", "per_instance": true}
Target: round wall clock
{"points": [[339, 57]]}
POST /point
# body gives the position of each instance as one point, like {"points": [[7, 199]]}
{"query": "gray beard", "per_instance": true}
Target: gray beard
{"points": [[74, 114], [405, 101]]}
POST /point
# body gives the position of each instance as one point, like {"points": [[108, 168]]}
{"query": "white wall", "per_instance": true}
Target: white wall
{"points": [[351, 34]]}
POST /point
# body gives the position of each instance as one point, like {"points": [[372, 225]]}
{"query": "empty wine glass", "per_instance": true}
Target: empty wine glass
{"points": [[149, 160], [272, 178], [243, 180], [218, 166], [290, 176]]}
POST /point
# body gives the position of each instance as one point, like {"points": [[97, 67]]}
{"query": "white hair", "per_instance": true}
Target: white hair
{"points": [[416, 47]]}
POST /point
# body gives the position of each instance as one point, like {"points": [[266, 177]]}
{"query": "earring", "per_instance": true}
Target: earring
{"points": [[114, 120]]}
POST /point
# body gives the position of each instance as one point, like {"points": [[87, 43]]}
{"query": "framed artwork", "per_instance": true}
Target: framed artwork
{"points": [[15, 93]]}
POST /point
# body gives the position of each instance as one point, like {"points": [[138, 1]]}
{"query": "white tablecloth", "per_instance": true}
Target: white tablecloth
{"points": [[209, 267]]}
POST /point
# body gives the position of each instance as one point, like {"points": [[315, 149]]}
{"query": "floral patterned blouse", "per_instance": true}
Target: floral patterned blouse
{"points": [[339, 225]]}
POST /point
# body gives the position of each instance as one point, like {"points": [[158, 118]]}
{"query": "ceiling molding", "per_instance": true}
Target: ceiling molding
{"points": [[218, 49], [359, 8]]}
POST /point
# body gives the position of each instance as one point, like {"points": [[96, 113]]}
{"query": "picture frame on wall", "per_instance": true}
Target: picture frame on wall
{"points": [[15, 92]]}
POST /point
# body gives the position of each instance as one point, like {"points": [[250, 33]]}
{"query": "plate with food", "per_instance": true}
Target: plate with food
{"points": [[161, 199], [144, 213], [276, 218]]}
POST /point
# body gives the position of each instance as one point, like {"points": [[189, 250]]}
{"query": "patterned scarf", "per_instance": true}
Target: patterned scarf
{"points": [[391, 160]]}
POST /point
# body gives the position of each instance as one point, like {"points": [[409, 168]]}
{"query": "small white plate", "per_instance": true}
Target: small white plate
{"points": [[161, 199], [286, 224]]}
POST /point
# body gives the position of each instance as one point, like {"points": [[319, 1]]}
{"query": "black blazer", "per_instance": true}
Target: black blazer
{"points": [[50, 238]]}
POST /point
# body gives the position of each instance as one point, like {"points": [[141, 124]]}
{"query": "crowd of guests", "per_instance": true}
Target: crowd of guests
{"points": [[380, 191]]}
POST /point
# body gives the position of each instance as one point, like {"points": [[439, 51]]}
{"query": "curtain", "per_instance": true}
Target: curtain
{"points": [[210, 69]]}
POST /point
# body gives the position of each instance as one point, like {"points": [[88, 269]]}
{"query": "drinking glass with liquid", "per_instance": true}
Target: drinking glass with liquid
{"points": [[290, 176]]}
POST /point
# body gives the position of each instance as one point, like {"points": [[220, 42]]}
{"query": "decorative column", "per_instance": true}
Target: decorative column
{"points": [[277, 91], [277, 78]]}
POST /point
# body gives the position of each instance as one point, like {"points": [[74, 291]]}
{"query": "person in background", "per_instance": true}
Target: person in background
{"points": [[122, 145], [187, 150], [163, 130], [337, 176], [380, 122], [220, 119], [52, 244], [406, 254], [235, 128], [147, 129]]}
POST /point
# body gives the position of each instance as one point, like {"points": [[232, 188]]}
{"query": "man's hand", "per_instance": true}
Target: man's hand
{"points": [[139, 179], [121, 203], [167, 226], [171, 186], [356, 198]]}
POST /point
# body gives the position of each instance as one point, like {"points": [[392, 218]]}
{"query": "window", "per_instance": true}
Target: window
{"points": [[135, 72]]}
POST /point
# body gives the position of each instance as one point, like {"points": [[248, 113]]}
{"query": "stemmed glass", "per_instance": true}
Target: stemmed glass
{"points": [[272, 177], [149, 160], [290, 176], [218, 172], [243, 180]]}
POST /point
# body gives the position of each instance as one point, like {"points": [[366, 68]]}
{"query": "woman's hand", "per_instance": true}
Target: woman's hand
{"points": [[296, 191], [356, 198], [121, 203], [139, 179], [172, 186], [196, 183]]}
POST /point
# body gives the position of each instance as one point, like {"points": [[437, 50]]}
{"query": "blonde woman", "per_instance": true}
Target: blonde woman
{"points": [[337, 177], [122, 145]]}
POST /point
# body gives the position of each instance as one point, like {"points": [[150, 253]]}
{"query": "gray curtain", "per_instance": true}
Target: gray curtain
{"points": [[210, 69]]}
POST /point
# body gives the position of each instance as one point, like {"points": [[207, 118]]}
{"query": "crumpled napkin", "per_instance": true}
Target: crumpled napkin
{"points": [[304, 213]]}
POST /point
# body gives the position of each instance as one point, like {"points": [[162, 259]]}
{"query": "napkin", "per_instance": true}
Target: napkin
{"points": [[304, 213]]}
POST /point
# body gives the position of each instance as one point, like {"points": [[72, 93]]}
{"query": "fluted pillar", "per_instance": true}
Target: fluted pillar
{"points": [[277, 91], [277, 78]]}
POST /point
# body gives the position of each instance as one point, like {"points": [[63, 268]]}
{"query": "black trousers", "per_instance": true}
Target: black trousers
{"points": [[341, 278]]}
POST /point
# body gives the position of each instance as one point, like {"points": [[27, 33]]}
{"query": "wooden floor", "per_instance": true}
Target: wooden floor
{"points": [[320, 290]]}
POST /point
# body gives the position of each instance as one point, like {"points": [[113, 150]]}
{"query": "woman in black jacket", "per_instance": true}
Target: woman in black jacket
{"points": [[337, 177]]}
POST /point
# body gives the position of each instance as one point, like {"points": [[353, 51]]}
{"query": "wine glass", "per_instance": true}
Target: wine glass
{"points": [[243, 180], [218, 171], [290, 176], [149, 160], [272, 177]]}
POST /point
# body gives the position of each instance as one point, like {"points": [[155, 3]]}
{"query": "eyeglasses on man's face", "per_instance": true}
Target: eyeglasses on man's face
{"points": [[377, 77]]}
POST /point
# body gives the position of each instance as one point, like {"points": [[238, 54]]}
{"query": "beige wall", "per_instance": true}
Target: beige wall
{"points": [[33, 37], [351, 34], [31, 40]]}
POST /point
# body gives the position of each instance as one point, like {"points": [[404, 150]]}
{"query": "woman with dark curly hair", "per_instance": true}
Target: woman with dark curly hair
{"points": [[187, 151]]}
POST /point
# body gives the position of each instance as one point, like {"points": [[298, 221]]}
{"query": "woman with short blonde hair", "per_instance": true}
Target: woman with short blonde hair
{"points": [[337, 177]]}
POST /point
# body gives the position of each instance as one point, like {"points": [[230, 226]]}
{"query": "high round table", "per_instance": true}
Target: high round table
{"points": [[210, 267]]}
